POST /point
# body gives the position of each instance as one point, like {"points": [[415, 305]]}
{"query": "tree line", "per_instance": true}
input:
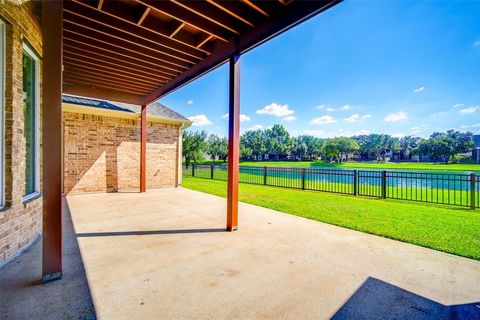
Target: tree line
{"points": [[276, 143]]}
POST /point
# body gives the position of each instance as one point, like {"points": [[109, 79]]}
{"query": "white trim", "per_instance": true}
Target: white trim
{"points": [[2, 114], [29, 51]]}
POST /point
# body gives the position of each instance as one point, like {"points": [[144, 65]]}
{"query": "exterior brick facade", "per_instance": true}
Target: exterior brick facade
{"points": [[102, 153], [20, 222]]}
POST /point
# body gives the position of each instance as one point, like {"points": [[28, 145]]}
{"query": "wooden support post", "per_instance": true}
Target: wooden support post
{"points": [[52, 30], [143, 149], [233, 141]]}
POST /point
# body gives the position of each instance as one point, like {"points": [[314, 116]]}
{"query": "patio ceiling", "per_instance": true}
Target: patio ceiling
{"points": [[138, 51]]}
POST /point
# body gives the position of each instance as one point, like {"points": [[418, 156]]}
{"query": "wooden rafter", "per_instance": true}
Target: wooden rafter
{"points": [[113, 21], [204, 41], [115, 51], [100, 4], [184, 15], [177, 29], [144, 15], [208, 12], [105, 79], [257, 8], [222, 6]]}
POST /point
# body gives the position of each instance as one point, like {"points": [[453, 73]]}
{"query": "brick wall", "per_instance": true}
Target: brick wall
{"points": [[20, 222], [102, 153]]}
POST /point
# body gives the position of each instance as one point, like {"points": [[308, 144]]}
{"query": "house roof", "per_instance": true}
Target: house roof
{"points": [[156, 109], [476, 140]]}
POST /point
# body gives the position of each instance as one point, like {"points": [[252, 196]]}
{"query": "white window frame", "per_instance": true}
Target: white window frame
{"points": [[2, 114], [29, 51]]}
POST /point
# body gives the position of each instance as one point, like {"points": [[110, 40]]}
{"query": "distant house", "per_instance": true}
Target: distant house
{"points": [[476, 148]]}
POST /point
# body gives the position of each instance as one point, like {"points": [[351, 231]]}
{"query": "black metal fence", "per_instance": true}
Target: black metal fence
{"points": [[443, 188]]}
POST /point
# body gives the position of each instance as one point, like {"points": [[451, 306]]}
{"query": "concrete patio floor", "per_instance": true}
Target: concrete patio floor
{"points": [[164, 254]]}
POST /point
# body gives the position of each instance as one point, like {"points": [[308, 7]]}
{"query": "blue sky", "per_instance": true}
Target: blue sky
{"points": [[396, 67]]}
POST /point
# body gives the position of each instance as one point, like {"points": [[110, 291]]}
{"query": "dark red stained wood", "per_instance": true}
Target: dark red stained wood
{"points": [[297, 12], [143, 149], [233, 142], [52, 140]]}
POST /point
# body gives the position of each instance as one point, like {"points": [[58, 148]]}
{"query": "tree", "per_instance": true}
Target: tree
{"points": [[217, 147], [255, 141], [193, 146], [300, 147], [331, 149], [346, 147], [407, 144], [278, 141]]}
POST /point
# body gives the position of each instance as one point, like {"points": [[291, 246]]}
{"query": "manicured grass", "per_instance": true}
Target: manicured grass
{"points": [[368, 165], [449, 229]]}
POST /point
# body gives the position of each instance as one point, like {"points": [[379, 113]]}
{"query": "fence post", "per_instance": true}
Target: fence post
{"points": [[211, 171], [193, 170], [472, 190], [265, 175], [303, 178], [355, 191], [384, 184]]}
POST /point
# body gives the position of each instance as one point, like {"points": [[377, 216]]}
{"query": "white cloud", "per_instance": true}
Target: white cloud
{"points": [[464, 126], [362, 132], [458, 105], [395, 117], [330, 109], [468, 110], [323, 120], [200, 120], [256, 127], [438, 114], [320, 106], [477, 44], [289, 118], [416, 129], [315, 133], [356, 118], [398, 135], [346, 107], [419, 89], [243, 117], [276, 110], [189, 101]]}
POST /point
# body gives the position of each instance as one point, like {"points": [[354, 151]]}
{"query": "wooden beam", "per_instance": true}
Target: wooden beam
{"points": [[147, 75], [256, 8], [177, 29], [204, 41], [78, 25], [211, 13], [100, 4], [103, 94], [122, 54], [114, 20], [182, 14], [298, 12], [144, 15], [143, 149], [52, 140], [230, 12], [74, 81], [98, 54], [81, 70], [233, 142], [110, 70]]}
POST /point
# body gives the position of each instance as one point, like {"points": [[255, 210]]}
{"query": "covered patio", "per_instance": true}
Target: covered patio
{"points": [[131, 258]]}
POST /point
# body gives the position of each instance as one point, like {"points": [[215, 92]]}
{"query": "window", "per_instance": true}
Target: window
{"points": [[2, 112], [31, 122]]}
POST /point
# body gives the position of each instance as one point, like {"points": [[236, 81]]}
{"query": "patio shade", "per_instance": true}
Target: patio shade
{"points": [[138, 51]]}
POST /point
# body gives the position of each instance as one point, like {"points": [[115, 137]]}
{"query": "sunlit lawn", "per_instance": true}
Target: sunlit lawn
{"points": [[449, 229]]}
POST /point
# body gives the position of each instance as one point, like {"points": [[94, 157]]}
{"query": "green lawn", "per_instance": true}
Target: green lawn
{"points": [[449, 229], [366, 165]]}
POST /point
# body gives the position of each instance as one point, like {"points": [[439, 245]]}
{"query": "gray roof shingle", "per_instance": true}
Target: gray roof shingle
{"points": [[156, 108]]}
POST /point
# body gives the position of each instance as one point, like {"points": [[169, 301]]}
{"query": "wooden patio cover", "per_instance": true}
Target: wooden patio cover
{"points": [[137, 51]]}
